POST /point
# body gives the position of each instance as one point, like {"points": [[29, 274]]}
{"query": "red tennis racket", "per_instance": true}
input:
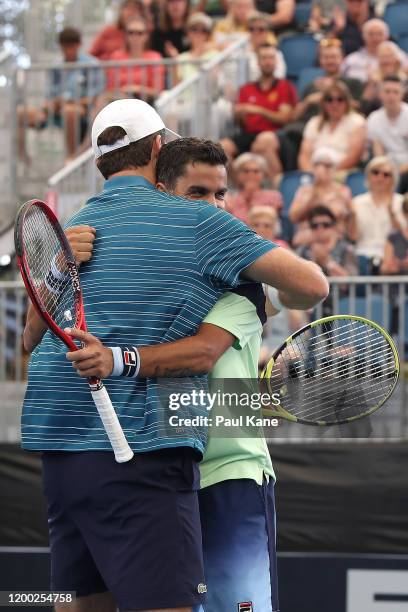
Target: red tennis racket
{"points": [[51, 277]]}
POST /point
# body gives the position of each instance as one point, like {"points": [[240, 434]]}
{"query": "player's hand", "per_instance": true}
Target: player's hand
{"points": [[81, 239], [94, 359]]}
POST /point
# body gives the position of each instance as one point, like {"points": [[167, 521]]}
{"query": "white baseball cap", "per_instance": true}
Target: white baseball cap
{"points": [[136, 117]]}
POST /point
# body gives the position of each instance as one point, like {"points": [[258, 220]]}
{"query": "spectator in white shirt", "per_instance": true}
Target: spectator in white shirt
{"points": [[361, 63], [375, 214], [387, 127], [338, 127]]}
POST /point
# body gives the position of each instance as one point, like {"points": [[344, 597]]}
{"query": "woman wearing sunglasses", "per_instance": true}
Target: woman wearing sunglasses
{"points": [[337, 126], [199, 35], [260, 32], [250, 172], [137, 81], [378, 212], [112, 37]]}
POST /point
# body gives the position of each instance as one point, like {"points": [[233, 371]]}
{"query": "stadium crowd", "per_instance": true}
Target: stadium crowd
{"points": [[318, 156]]}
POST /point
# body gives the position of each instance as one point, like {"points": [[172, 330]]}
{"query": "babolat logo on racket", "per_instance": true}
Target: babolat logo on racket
{"points": [[245, 606], [74, 275]]}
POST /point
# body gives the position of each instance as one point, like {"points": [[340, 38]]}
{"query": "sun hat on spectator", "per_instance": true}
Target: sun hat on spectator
{"points": [[267, 211], [200, 19], [246, 158], [136, 117], [325, 154], [265, 17]]}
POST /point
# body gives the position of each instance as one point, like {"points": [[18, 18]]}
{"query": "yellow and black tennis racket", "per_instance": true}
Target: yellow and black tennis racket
{"points": [[332, 371]]}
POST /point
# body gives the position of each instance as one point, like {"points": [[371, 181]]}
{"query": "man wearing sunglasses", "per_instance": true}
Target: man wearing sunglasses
{"points": [[387, 127], [328, 249]]}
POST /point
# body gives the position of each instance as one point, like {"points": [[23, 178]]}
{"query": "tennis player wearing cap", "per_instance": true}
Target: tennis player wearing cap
{"points": [[160, 263], [236, 496]]}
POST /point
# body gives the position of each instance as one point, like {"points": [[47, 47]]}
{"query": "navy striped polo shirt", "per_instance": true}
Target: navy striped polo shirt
{"points": [[159, 265]]}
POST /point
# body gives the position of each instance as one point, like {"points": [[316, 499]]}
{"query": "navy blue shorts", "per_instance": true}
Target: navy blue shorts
{"points": [[131, 528], [239, 546]]}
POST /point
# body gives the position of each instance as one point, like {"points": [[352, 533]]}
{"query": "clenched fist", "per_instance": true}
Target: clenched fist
{"points": [[81, 239]]}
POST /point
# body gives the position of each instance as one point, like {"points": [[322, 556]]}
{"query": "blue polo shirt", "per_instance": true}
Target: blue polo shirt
{"points": [[159, 265]]}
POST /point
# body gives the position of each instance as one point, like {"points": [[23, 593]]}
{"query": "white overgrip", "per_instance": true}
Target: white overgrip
{"points": [[110, 421]]}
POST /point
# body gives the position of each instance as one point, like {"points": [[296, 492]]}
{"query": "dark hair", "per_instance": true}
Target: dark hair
{"points": [[176, 155], [339, 87], [137, 5], [141, 20], [392, 78], [69, 36], [321, 210], [135, 155], [165, 24]]}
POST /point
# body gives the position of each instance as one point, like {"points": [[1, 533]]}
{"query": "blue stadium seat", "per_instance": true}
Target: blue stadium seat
{"points": [[307, 76], [289, 184], [302, 14], [363, 266], [300, 51], [356, 182], [403, 40], [396, 16]]}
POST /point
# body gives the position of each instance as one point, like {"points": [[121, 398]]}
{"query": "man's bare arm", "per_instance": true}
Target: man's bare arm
{"points": [[185, 357], [34, 329], [301, 284]]}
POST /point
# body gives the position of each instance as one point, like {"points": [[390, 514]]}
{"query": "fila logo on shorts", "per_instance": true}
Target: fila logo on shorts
{"points": [[245, 606], [202, 588]]}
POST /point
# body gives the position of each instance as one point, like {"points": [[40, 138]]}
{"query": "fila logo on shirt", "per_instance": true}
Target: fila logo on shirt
{"points": [[245, 606], [129, 357]]}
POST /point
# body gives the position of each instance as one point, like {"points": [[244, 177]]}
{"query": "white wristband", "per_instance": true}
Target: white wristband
{"points": [[117, 360], [126, 361], [273, 296]]}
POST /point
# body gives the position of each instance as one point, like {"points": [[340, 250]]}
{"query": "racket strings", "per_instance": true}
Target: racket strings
{"points": [[334, 372], [47, 266]]}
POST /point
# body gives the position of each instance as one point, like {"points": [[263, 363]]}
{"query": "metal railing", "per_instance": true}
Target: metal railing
{"points": [[50, 17], [200, 105], [382, 299], [56, 103], [69, 188]]}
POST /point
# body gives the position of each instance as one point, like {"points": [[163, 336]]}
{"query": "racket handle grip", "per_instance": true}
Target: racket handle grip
{"points": [[110, 421]]}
